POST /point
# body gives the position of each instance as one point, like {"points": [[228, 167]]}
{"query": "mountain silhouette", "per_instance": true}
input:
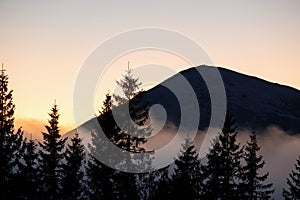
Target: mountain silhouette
{"points": [[255, 103]]}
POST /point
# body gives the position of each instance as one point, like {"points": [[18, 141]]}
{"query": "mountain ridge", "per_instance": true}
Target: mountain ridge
{"points": [[269, 104], [249, 76], [273, 103]]}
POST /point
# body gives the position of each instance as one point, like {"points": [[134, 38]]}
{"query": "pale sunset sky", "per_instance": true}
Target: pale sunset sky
{"points": [[43, 44]]}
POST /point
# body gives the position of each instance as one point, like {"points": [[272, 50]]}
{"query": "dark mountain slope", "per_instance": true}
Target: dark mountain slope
{"points": [[255, 103]]}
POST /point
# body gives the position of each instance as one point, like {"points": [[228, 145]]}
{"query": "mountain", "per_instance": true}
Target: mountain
{"points": [[254, 103]]}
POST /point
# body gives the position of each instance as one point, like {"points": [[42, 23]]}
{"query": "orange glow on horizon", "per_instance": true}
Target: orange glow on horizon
{"points": [[34, 127]]}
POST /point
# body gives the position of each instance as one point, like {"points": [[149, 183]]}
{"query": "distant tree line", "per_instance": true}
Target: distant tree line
{"points": [[60, 168]]}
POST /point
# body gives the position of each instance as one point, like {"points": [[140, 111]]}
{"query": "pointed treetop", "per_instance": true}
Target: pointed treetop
{"points": [[2, 70]]}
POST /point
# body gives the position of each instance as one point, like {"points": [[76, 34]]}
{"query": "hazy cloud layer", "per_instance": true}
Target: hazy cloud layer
{"points": [[280, 150]]}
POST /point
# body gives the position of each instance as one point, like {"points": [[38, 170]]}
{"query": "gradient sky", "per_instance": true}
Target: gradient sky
{"points": [[43, 44]]}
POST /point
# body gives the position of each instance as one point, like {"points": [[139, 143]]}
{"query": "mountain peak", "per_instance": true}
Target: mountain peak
{"points": [[254, 102]]}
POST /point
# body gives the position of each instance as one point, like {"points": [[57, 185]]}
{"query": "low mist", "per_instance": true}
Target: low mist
{"points": [[280, 150]]}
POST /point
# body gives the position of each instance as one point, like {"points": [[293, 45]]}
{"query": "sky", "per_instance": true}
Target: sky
{"points": [[43, 44]]}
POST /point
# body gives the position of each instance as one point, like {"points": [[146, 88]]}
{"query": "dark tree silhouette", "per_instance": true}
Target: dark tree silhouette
{"points": [[101, 178], [73, 187], [51, 157], [223, 168], [131, 136], [163, 189], [147, 185], [187, 177], [10, 141], [108, 183], [28, 175], [138, 113], [254, 187], [293, 190]]}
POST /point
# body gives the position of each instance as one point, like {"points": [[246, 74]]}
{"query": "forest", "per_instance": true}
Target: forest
{"points": [[62, 168]]}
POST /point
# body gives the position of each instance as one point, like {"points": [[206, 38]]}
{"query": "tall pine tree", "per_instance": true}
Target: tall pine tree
{"points": [[293, 190], [51, 157], [10, 141], [163, 189], [187, 177], [100, 181], [101, 177], [28, 175], [212, 172], [223, 168], [146, 185], [254, 187], [131, 135], [108, 183], [73, 187]]}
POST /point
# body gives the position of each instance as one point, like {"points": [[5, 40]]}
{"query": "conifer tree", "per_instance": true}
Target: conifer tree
{"points": [[212, 172], [116, 184], [293, 190], [187, 177], [10, 141], [28, 175], [163, 189], [130, 135], [51, 157], [147, 185], [73, 187], [101, 177], [100, 180], [131, 97], [223, 168], [108, 126], [253, 183]]}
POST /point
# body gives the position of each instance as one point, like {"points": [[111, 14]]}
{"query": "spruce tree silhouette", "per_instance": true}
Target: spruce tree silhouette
{"points": [[163, 189], [10, 141], [223, 168], [187, 177], [101, 177], [28, 168], [131, 98], [51, 157], [293, 190], [108, 183], [73, 187], [131, 137], [253, 183]]}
